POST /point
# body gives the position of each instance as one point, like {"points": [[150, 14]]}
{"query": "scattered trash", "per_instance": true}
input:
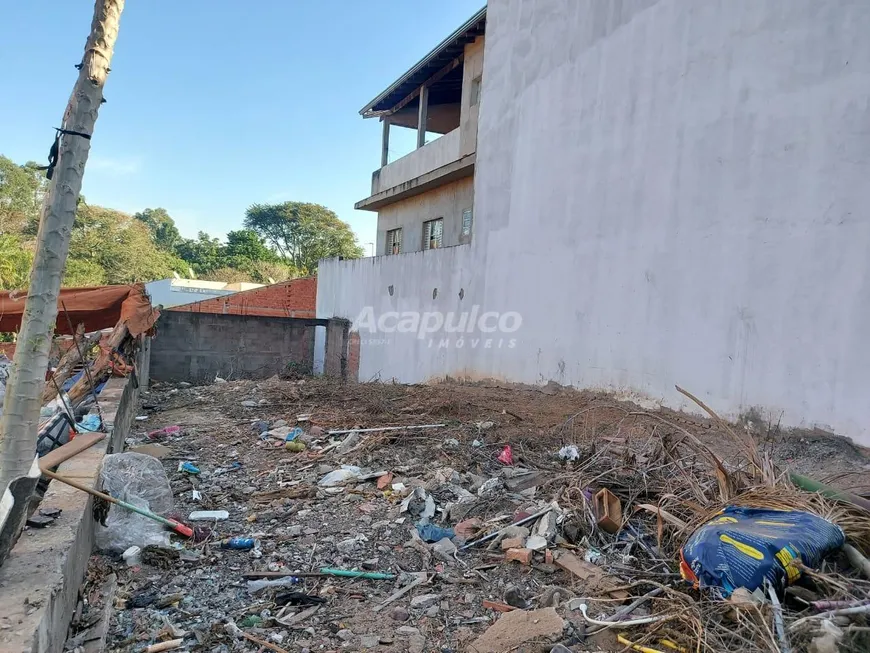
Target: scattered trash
{"points": [[319, 539], [476, 443], [353, 438], [743, 547], [209, 515], [432, 533], [239, 543], [255, 586], [164, 432], [132, 556], [295, 446], [139, 481], [506, 457], [608, 510], [339, 476], [490, 487], [188, 468], [387, 428], [420, 505], [141, 418]]}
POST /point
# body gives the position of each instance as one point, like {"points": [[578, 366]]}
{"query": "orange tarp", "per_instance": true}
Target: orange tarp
{"points": [[101, 307]]}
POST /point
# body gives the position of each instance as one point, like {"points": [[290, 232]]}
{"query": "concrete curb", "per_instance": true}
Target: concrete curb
{"points": [[40, 581]]}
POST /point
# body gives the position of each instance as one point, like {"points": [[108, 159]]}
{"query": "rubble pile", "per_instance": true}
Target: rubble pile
{"points": [[383, 517]]}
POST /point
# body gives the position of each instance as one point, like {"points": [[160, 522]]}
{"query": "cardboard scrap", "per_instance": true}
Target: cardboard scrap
{"points": [[517, 627], [158, 451], [589, 573]]}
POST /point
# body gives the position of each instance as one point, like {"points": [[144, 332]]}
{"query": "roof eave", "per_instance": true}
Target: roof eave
{"points": [[366, 111]]}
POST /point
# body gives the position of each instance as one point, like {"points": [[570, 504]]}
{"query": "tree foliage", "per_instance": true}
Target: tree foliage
{"points": [[162, 228], [21, 191], [303, 233], [107, 246]]}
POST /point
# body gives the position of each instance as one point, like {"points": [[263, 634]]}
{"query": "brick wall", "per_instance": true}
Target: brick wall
{"points": [[294, 298]]}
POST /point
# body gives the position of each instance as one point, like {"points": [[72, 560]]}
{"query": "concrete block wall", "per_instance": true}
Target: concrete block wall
{"points": [[294, 298], [668, 192], [197, 347]]}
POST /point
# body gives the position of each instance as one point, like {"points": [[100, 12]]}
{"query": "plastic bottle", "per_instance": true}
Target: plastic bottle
{"points": [[238, 543]]}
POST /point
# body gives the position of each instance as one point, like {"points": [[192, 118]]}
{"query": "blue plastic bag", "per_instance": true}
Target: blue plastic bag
{"points": [[743, 547]]}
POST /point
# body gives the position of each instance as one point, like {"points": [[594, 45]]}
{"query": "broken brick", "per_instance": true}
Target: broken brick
{"points": [[523, 556], [511, 543]]}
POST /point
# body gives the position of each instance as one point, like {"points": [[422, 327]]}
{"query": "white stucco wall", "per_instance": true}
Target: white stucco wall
{"points": [[668, 192], [447, 202], [433, 155]]}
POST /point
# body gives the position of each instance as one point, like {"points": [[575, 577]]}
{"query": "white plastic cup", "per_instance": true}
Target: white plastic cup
{"points": [[132, 556]]}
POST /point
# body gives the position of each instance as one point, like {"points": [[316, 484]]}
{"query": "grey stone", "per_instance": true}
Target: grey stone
{"points": [[445, 549], [407, 631], [370, 641], [536, 543], [249, 403], [345, 635], [416, 644], [399, 614], [433, 611], [424, 601]]}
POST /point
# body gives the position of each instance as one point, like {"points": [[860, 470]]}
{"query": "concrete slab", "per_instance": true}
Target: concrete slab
{"points": [[39, 582]]}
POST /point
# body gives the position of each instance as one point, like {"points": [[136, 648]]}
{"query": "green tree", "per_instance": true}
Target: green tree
{"points": [[120, 245], [15, 261], [80, 274], [22, 189], [203, 253], [247, 245], [162, 227], [303, 233]]}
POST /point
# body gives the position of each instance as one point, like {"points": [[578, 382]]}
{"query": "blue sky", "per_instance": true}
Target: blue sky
{"points": [[214, 105]]}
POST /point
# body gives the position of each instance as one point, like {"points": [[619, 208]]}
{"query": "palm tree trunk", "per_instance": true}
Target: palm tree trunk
{"points": [[18, 427]]}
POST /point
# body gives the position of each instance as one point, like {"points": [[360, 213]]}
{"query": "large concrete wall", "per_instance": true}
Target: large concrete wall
{"points": [[668, 192], [197, 347], [472, 68], [448, 202]]}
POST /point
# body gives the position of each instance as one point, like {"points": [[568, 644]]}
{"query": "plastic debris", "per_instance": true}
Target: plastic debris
{"points": [[343, 475], [420, 505], [432, 533], [569, 452], [490, 487], [165, 431], [258, 585], [294, 433], [295, 446], [139, 480], [239, 543], [133, 556], [209, 515], [506, 456], [743, 547], [188, 468]]}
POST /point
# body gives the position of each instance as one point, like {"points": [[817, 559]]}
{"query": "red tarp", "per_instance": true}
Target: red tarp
{"points": [[101, 307]]}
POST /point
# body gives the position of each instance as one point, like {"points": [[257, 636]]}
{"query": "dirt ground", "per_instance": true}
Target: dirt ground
{"points": [[273, 496]]}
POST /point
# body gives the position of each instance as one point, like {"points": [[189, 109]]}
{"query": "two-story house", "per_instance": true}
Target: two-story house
{"points": [[425, 199]]}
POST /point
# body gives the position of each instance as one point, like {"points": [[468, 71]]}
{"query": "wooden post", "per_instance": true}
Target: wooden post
{"points": [[385, 142], [422, 116], [19, 424]]}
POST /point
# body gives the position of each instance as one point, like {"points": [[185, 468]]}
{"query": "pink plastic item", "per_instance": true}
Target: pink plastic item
{"points": [[506, 456]]}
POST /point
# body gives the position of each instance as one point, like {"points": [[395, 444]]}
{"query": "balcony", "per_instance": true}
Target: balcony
{"points": [[436, 163], [430, 157]]}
